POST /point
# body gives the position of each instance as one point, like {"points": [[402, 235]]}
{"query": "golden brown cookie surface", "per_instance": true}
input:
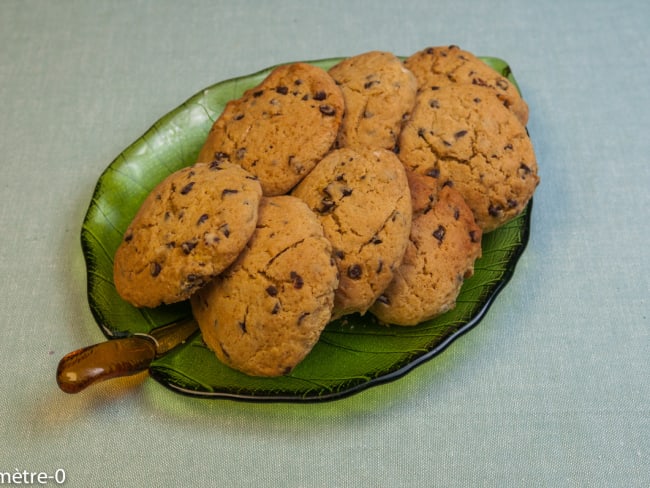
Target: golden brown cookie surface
{"points": [[438, 66], [190, 228], [464, 136], [443, 245], [379, 94], [264, 314], [362, 200], [281, 128]]}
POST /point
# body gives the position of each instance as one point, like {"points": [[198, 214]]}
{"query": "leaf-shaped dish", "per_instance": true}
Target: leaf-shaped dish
{"points": [[353, 353]]}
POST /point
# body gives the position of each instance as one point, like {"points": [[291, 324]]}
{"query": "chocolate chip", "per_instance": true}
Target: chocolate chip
{"points": [[128, 237], [456, 214], [383, 299], [276, 308], [512, 203], [272, 290], [242, 326], [434, 173], [524, 169], [238, 117], [258, 93], [219, 157], [439, 233], [282, 90], [503, 84], [202, 219], [326, 205], [473, 236], [187, 246], [460, 134], [320, 95], [370, 84], [225, 230], [434, 103], [422, 132], [297, 280], [507, 147], [346, 192], [154, 269], [339, 254], [228, 191], [187, 188], [327, 110], [355, 271], [495, 210]]}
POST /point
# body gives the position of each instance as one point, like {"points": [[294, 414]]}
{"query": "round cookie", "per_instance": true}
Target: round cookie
{"points": [[362, 199], [264, 314], [465, 137], [279, 129], [444, 243], [189, 228], [379, 94], [437, 66]]}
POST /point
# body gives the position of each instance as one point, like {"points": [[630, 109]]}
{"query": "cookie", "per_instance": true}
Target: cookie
{"points": [[362, 199], [465, 137], [443, 246], [438, 66], [189, 228], [279, 129], [266, 312], [379, 94]]}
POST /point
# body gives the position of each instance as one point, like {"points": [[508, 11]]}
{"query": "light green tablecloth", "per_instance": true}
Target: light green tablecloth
{"points": [[551, 389]]}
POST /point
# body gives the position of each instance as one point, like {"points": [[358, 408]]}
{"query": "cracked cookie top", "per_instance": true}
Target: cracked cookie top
{"points": [[362, 199], [279, 129], [379, 94], [264, 314], [189, 228], [437, 66], [463, 136], [444, 243]]}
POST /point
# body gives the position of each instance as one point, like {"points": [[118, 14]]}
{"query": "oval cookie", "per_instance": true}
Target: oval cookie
{"points": [[438, 66], [443, 245], [463, 136], [189, 228], [362, 199], [264, 314], [379, 94], [281, 128]]}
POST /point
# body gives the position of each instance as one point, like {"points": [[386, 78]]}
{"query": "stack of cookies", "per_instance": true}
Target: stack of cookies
{"points": [[318, 194]]}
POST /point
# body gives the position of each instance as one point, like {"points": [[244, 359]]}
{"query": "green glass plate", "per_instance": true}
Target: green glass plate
{"points": [[353, 353]]}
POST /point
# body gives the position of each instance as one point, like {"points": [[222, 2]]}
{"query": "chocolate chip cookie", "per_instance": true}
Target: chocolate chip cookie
{"points": [[279, 129], [463, 136], [379, 94], [443, 246], [189, 228], [264, 314], [438, 66], [362, 199]]}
